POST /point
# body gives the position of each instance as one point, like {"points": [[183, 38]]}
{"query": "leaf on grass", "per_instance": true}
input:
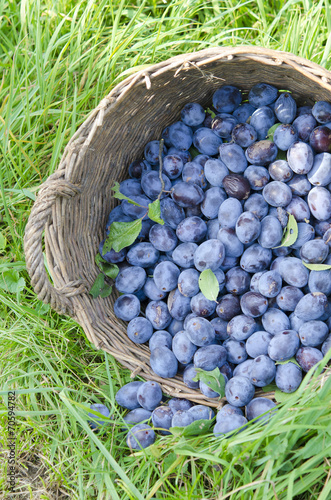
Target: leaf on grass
{"points": [[154, 212], [214, 379], [117, 194], [283, 397], [110, 270], [11, 282], [3, 242], [196, 428], [316, 267], [212, 113], [121, 235], [290, 233], [271, 131], [209, 285], [292, 360], [280, 397], [100, 287]]}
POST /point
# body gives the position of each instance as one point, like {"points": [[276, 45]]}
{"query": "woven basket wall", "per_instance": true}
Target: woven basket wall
{"points": [[72, 206]]}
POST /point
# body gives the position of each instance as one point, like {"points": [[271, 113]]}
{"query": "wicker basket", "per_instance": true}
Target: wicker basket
{"points": [[72, 206]]}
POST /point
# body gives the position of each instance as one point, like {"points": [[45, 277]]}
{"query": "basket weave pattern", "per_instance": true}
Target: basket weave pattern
{"points": [[72, 206]]}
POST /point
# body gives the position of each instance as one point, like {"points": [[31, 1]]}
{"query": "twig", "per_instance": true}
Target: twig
{"points": [[160, 168]]}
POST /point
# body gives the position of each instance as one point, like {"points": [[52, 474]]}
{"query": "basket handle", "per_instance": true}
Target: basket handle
{"points": [[58, 298]]}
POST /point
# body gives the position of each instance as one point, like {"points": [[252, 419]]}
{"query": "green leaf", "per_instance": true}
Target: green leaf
{"points": [[110, 270], [196, 428], [281, 155], [214, 379], [290, 233], [209, 285], [3, 242], [100, 288], [193, 152], [208, 110], [292, 360], [121, 196], [154, 212], [271, 131], [283, 397], [316, 267], [11, 282], [121, 235]]}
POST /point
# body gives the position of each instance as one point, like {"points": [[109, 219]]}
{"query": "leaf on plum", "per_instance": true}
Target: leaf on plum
{"points": [[209, 285], [214, 379], [154, 212], [121, 235], [290, 233]]}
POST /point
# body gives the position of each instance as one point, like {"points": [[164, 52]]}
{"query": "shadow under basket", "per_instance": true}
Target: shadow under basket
{"points": [[73, 205]]}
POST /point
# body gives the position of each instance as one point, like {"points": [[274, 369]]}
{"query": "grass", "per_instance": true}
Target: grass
{"points": [[59, 59]]}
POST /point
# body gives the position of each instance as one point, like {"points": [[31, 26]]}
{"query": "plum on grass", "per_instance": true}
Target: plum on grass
{"points": [[259, 406], [126, 396], [181, 418], [201, 412], [228, 410], [149, 395], [179, 404], [140, 436], [161, 419], [98, 422], [229, 423], [137, 416]]}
